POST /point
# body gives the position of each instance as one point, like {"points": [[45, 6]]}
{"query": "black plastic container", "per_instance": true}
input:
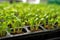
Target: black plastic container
{"points": [[56, 38], [28, 35]]}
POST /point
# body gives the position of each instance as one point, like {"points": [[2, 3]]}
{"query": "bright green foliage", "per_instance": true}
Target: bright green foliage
{"points": [[18, 14]]}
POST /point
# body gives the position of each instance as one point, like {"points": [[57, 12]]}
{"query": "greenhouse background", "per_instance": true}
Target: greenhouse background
{"points": [[36, 1], [23, 0]]}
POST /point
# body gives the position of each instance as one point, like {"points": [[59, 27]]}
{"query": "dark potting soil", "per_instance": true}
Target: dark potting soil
{"points": [[3, 34], [18, 32], [39, 29]]}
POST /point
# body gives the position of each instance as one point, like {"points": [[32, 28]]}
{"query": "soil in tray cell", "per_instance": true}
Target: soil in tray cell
{"points": [[3, 33], [34, 29], [18, 31]]}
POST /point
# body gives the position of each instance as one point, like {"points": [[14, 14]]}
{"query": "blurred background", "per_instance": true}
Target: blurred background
{"points": [[34, 1]]}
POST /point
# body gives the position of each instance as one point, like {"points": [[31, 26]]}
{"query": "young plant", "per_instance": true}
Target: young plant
{"points": [[37, 21], [31, 21], [3, 27], [58, 20]]}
